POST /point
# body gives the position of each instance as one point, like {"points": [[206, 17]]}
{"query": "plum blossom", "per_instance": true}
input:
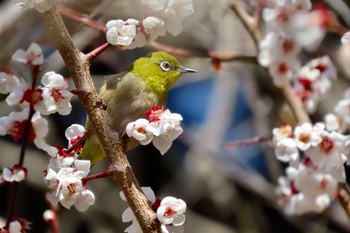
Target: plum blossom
{"points": [[7, 81], [15, 124], [171, 211], [165, 16], [314, 80], [286, 150], [53, 97], [74, 133], [281, 133], [56, 95], [278, 53], [316, 157], [345, 39], [39, 5], [66, 157], [290, 26], [32, 56], [332, 122], [329, 156], [172, 12], [121, 33], [67, 186], [305, 190], [306, 136], [166, 130], [14, 174], [17, 225], [274, 46], [281, 71], [154, 27], [23, 93], [140, 130], [162, 127]]}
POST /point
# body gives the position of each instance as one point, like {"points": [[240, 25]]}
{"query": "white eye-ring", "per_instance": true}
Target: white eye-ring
{"points": [[165, 66]]}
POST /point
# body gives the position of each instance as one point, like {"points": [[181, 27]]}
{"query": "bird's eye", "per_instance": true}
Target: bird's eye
{"points": [[165, 66]]}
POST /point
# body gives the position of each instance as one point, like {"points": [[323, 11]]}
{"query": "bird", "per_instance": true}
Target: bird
{"points": [[129, 94]]}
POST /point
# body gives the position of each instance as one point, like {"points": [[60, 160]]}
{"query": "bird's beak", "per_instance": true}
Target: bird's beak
{"points": [[186, 70]]}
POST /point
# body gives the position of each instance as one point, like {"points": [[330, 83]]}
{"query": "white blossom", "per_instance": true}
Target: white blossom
{"points": [[286, 150], [172, 211], [345, 39], [67, 186], [56, 96], [121, 33], [14, 174], [281, 133], [15, 227], [14, 125], [171, 12], [306, 136], [39, 5], [332, 122], [305, 190], [7, 82], [154, 27], [141, 130], [32, 56], [162, 127], [73, 133]]}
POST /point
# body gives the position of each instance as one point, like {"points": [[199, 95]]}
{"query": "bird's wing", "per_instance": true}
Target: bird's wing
{"points": [[113, 80]]}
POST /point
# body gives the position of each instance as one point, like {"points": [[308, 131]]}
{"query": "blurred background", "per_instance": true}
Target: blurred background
{"points": [[226, 189]]}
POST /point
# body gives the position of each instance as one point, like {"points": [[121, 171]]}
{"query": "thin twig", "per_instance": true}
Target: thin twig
{"points": [[344, 198], [94, 53], [80, 18], [247, 142], [249, 22], [223, 57]]}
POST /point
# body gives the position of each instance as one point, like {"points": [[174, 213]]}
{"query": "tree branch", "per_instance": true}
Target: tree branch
{"points": [[78, 65]]}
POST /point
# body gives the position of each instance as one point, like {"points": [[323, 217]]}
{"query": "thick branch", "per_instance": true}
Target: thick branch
{"points": [[78, 65]]}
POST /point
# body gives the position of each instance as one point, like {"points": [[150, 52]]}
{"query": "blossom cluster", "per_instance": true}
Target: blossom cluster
{"points": [[65, 173], [291, 27], [162, 127], [170, 212], [164, 16], [316, 158], [50, 98]]}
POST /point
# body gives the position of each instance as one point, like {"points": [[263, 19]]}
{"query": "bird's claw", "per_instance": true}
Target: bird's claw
{"points": [[100, 103]]}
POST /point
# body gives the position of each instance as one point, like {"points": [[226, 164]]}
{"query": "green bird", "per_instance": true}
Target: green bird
{"points": [[128, 95]]}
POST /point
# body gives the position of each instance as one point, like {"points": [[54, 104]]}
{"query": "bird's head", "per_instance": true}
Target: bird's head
{"points": [[160, 70]]}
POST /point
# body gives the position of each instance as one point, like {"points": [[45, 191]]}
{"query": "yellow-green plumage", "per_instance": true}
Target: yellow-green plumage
{"points": [[130, 94]]}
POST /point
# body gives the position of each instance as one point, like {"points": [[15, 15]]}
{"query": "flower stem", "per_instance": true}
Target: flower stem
{"points": [[14, 188], [94, 53], [80, 18], [99, 175], [248, 142]]}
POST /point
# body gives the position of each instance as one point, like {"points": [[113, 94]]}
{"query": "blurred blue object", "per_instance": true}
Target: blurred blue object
{"points": [[192, 101]]}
